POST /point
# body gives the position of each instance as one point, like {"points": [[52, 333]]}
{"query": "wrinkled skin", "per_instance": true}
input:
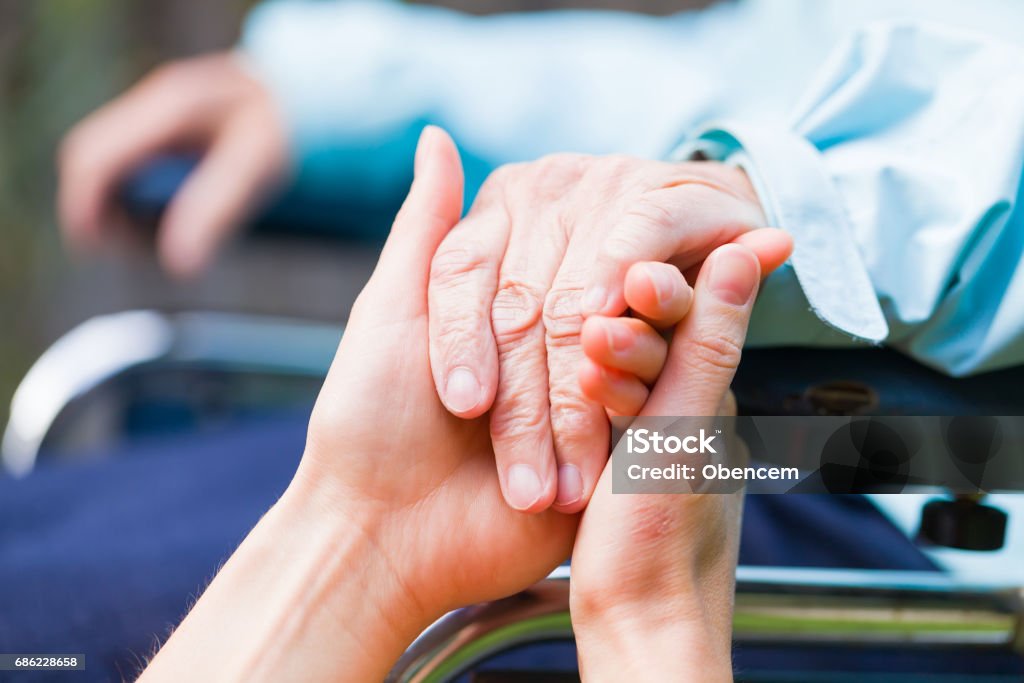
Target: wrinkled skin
{"points": [[545, 244]]}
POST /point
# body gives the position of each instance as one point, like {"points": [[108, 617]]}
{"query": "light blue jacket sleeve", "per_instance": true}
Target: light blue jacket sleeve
{"points": [[358, 79], [899, 174], [900, 178]]}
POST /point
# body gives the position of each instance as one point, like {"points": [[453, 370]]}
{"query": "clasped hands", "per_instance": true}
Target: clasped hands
{"points": [[513, 316]]}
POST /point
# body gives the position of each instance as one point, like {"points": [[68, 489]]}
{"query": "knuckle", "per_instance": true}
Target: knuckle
{"points": [[456, 318], [621, 246], [518, 419], [553, 174], [495, 187], [614, 167], [453, 266], [562, 316], [561, 164], [644, 220], [653, 213], [506, 172], [610, 177], [455, 335], [711, 353], [515, 312], [499, 178], [571, 415]]}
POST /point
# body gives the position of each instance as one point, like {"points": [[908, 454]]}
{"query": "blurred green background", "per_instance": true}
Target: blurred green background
{"points": [[59, 60]]}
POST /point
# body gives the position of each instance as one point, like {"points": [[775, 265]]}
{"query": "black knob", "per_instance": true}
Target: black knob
{"points": [[963, 523]]}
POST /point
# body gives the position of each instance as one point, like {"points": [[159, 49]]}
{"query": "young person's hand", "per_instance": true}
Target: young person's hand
{"points": [[653, 575], [545, 244], [395, 515], [382, 444], [210, 104], [624, 355]]}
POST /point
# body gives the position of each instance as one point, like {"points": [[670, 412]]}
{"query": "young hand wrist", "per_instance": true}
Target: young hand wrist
{"points": [[311, 594], [631, 642], [643, 649], [336, 513]]}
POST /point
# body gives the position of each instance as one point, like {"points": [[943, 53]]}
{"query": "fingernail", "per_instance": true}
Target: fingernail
{"points": [[422, 149], [462, 391], [524, 487], [733, 275], [594, 299], [619, 339], [663, 283], [570, 485]]}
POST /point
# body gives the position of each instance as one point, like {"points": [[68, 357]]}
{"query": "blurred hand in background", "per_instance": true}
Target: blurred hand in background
{"points": [[210, 104]]}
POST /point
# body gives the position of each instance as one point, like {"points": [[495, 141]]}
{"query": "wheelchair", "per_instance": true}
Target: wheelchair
{"points": [[148, 372]]}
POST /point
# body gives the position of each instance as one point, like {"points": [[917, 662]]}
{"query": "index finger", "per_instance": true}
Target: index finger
{"points": [[681, 224]]}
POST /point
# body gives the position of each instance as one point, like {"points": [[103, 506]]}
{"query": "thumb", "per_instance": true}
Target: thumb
{"points": [[706, 346], [432, 207]]}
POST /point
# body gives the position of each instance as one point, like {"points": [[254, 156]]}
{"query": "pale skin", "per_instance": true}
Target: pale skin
{"points": [[395, 514], [636, 554], [212, 104], [547, 244], [623, 356]]}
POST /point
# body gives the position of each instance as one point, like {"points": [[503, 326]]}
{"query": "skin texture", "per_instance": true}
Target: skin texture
{"points": [[653, 575], [209, 104], [429, 470], [545, 245], [395, 514], [625, 355], [395, 501], [507, 286]]}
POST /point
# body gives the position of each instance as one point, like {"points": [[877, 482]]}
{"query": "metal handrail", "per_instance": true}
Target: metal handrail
{"points": [[107, 346], [773, 606]]}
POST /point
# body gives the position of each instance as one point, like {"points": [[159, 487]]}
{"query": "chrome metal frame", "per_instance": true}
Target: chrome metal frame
{"points": [[106, 346], [773, 605]]}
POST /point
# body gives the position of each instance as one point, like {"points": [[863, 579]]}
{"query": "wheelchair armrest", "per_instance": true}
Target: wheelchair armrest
{"points": [[81, 390]]}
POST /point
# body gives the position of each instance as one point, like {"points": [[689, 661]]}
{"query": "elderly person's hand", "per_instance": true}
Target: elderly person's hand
{"points": [[208, 103], [545, 244], [653, 574], [395, 515]]}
